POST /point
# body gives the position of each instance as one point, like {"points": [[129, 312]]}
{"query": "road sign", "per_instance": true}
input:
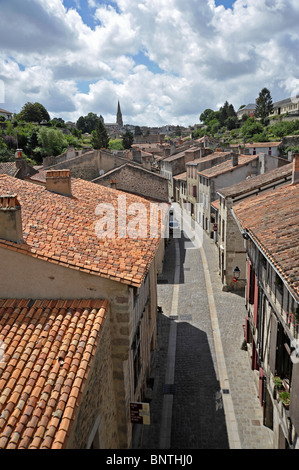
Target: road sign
{"points": [[140, 413], [235, 279]]}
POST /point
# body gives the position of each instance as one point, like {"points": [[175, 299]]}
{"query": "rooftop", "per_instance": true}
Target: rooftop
{"points": [[227, 166], [209, 157], [181, 176], [62, 230], [256, 181], [272, 219], [48, 350], [8, 168], [258, 145]]}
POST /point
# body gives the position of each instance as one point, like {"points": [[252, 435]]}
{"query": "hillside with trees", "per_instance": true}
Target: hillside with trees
{"points": [[225, 126]]}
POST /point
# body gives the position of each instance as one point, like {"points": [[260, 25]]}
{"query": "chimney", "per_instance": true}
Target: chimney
{"points": [[234, 159], [295, 175], [21, 164], [59, 181], [10, 218]]}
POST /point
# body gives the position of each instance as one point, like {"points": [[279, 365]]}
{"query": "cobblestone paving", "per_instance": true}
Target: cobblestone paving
{"points": [[198, 420]]}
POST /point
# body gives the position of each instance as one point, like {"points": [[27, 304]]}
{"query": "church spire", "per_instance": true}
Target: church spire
{"points": [[119, 118]]}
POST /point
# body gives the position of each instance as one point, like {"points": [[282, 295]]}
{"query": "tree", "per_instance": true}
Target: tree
{"points": [[128, 140], [6, 155], [264, 105], [115, 144], [251, 127], [52, 141], [99, 136], [205, 115], [33, 112], [137, 130], [88, 123]]}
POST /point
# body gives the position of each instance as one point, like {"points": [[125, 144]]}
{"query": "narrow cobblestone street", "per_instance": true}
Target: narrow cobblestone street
{"points": [[195, 410]]}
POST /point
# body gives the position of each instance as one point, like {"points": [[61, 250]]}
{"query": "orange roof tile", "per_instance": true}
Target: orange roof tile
{"points": [[272, 219], [61, 229], [48, 350]]}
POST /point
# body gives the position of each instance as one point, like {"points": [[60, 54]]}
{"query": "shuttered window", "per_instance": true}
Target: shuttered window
{"points": [[273, 343], [255, 299]]}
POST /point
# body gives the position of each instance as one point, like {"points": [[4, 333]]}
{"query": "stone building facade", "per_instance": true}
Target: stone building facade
{"points": [[271, 328], [56, 254], [136, 180], [229, 238]]}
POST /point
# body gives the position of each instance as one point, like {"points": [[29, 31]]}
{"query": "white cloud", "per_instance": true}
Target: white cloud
{"points": [[207, 55]]}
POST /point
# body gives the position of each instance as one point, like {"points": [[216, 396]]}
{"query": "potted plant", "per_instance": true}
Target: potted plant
{"points": [[277, 385], [285, 398]]}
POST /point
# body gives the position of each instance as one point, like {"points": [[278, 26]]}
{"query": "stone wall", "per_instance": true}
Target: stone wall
{"points": [[89, 166], [96, 420], [136, 180]]}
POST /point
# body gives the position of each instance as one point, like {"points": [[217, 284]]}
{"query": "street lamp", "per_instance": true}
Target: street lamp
{"points": [[236, 273]]}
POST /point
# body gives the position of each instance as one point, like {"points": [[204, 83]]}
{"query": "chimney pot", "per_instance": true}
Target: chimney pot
{"points": [[59, 181], [295, 175], [10, 218], [19, 153]]}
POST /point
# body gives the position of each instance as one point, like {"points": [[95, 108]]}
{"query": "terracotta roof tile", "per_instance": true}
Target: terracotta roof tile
{"points": [[62, 230], [38, 409], [272, 219]]}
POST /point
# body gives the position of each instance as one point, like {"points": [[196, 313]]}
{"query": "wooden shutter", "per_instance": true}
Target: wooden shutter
{"points": [[294, 398], [273, 343], [248, 279], [256, 300], [254, 357], [246, 329]]}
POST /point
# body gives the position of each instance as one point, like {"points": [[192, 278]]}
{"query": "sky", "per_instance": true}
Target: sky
{"points": [[165, 61]]}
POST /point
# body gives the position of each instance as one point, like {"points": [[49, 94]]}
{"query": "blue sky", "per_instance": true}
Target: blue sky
{"points": [[166, 61], [225, 3]]}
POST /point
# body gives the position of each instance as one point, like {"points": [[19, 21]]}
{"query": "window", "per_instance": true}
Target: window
{"points": [[136, 356]]}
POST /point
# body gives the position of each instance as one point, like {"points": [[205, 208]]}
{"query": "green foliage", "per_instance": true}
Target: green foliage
{"points": [[204, 117], [277, 382], [283, 128], [115, 144], [99, 136], [264, 105], [261, 137], [285, 397], [88, 123], [250, 128], [57, 122], [137, 130], [198, 133], [225, 118], [6, 155], [127, 140], [51, 141], [33, 112]]}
